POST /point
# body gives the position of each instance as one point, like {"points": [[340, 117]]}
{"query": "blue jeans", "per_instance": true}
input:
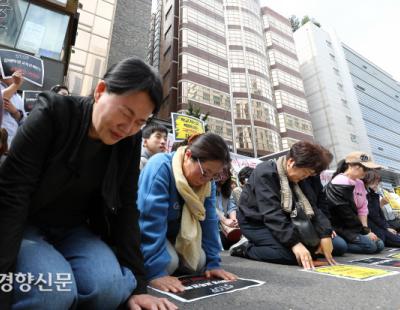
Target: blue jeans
{"points": [[84, 271], [339, 246], [263, 246], [364, 245]]}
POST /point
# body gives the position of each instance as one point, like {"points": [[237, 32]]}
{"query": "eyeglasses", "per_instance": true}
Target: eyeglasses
{"points": [[215, 177]]}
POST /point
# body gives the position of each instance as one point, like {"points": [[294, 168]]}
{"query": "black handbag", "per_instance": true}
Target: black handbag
{"points": [[305, 228]]}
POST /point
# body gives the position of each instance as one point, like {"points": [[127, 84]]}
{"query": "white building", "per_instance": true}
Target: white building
{"points": [[335, 112]]}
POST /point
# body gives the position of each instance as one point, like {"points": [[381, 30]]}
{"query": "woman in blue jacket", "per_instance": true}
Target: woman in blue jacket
{"points": [[178, 220]]}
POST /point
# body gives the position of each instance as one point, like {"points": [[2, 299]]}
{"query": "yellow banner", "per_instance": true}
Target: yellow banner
{"points": [[184, 126], [353, 272]]}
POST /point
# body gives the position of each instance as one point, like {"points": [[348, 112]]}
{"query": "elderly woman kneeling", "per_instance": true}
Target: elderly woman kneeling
{"points": [[276, 193]]}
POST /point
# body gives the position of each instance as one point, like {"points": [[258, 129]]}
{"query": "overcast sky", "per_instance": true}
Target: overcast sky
{"points": [[370, 27]]}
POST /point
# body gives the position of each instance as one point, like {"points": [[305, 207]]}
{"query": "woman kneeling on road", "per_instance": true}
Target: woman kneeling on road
{"points": [[275, 193], [71, 178], [178, 217]]}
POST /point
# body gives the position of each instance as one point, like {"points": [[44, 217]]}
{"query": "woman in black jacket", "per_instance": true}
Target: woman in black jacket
{"points": [[376, 218], [267, 202], [71, 178]]}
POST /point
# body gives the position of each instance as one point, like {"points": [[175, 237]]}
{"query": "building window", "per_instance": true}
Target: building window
{"points": [[336, 70], [349, 120], [35, 29], [168, 12], [167, 32], [340, 86], [365, 67], [353, 138], [360, 87], [333, 58], [329, 43], [344, 102], [167, 51]]}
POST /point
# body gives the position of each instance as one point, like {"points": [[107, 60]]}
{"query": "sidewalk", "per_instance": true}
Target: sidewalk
{"points": [[287, 287]]}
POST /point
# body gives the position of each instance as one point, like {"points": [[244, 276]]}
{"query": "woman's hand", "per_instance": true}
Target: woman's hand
{"points": [[326, 248], [230, 222], [372, 236], [391, 230], [18, 78], [220, 273], [168, 284], [303, 256], [145, 301]]}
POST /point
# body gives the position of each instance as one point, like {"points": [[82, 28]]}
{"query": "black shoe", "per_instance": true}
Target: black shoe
{"points": [[239, 249]]}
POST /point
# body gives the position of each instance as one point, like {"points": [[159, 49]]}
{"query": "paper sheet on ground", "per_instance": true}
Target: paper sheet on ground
{"points": [[396, 256], [369, 260], [352, 272], [199, 287]]}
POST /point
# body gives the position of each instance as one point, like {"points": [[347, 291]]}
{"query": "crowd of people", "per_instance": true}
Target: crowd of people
{"points": [[90, 194]]}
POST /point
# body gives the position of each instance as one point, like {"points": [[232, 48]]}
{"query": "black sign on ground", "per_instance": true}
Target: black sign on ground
{"points": [[29, 99], [199, 287], [31, 67]]}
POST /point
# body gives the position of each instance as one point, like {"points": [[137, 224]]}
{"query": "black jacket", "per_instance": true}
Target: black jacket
{"points": [[376, 218], [260, 202], [43, 160], [343, 211]]}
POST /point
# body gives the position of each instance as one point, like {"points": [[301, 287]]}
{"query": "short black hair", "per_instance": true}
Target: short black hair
{"points": [[244, 174], [57, 88], [133, 74], [152, 128], [209, 146]]}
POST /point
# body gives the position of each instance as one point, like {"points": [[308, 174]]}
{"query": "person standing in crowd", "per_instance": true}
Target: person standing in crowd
{"points": [[14, 113], [243, 176], [178, 217], [267, 204], [226, 211], [348, 205], [68, 196], [376, 219], [154, 141], [60, 90]]}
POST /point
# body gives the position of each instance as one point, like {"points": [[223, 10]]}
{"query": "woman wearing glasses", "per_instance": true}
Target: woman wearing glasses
{"points": [[348, 204], [178, 219]]}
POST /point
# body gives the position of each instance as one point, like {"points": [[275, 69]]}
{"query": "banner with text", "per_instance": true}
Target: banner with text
{"points": [[199, 287], [29, 98], [31, 67], [184, 126]]}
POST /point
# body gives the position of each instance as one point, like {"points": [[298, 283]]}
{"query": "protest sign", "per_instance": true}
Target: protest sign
{"points": [[199, 287], [31, 67], [352, 272], [369, 260], [390, 263], [184, 126], [397, 256], [29, 99]]}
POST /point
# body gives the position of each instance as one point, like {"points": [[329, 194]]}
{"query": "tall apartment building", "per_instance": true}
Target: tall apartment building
{"points": [[335, 112], [108, 31], [378, 95], [215, 55], [288, 89]]}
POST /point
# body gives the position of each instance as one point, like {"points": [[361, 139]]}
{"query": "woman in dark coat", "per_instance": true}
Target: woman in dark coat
{"points": [[267, 202], [376, 218], [68, 216]]}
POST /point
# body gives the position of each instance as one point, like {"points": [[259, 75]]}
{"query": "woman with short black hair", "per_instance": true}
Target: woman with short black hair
{"points": [[68, 188], [274, 193]]}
